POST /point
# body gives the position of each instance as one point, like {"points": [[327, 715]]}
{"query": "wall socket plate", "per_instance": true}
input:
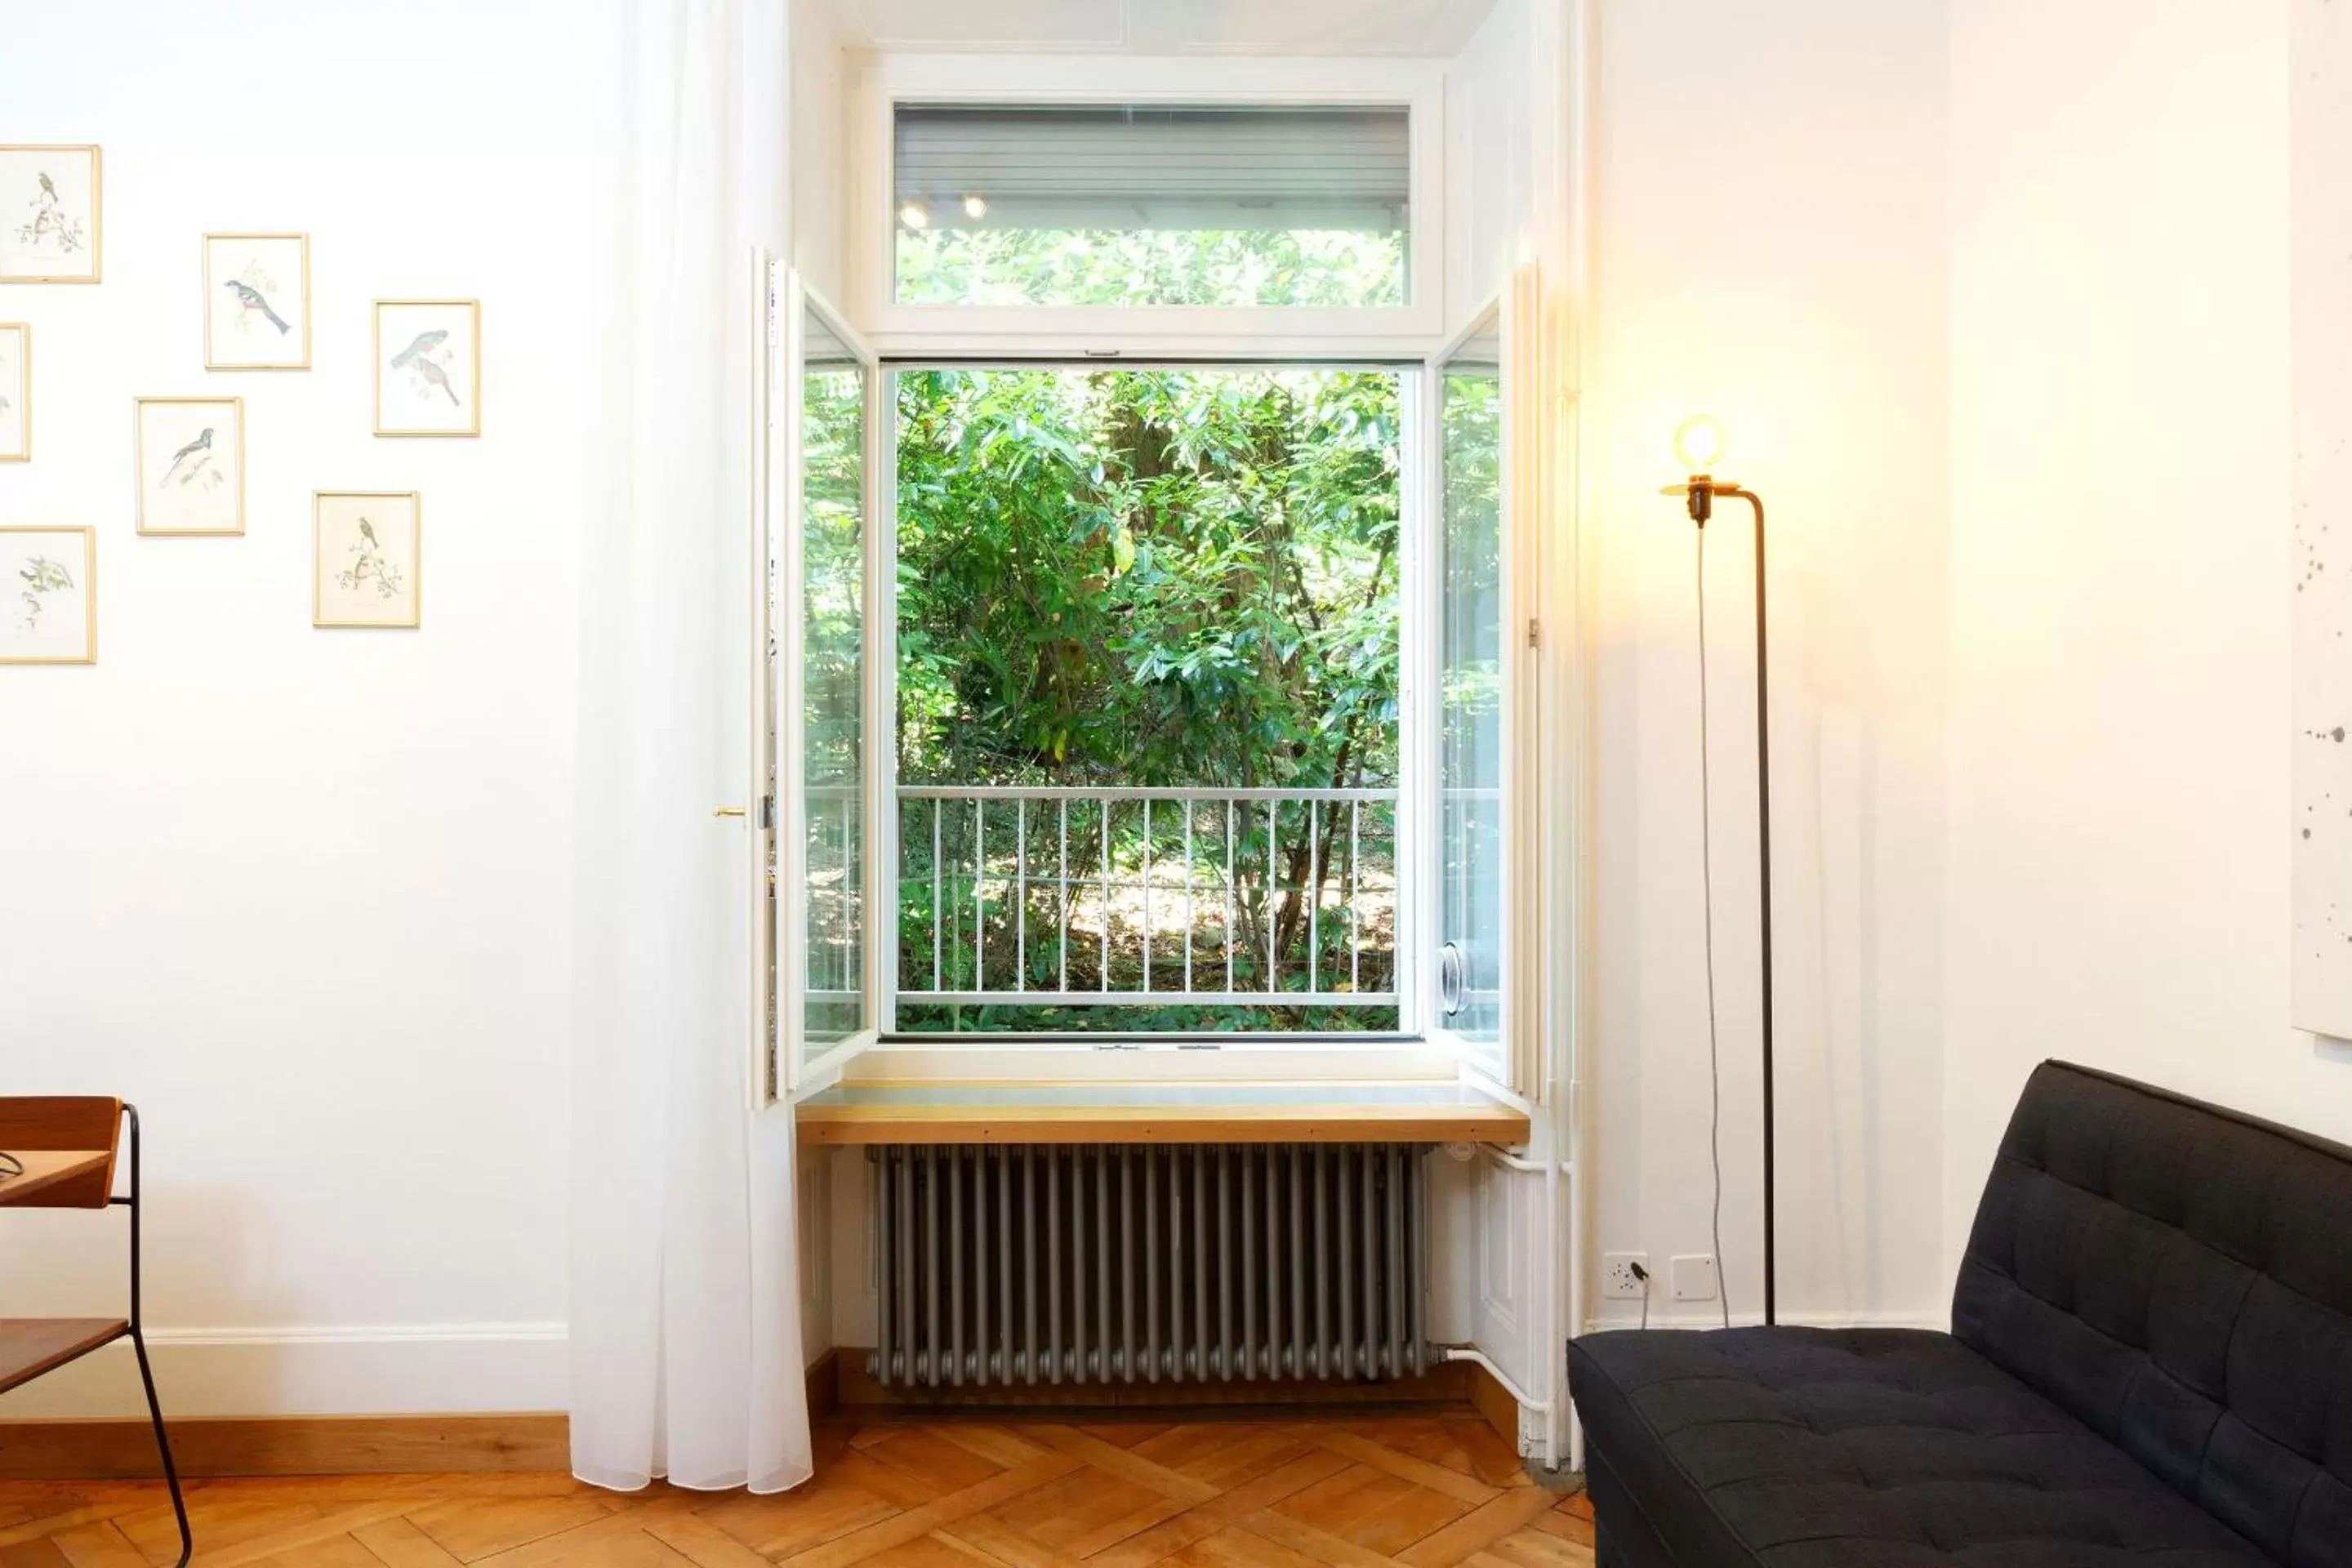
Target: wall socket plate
{"points": [[1694, 1277], [1617, 1280]]}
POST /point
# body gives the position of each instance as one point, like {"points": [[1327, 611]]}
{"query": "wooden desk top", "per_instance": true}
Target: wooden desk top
{"points": [[1433, 1113], [46, 1168]]}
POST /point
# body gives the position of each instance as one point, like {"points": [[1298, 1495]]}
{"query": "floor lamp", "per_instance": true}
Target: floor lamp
{"points": [[1699, 444]]}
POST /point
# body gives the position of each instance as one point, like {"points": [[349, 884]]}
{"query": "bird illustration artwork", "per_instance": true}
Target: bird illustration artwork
{"points": [[368, 562], [202, 443], [424, 343], [49, 222], [433, 373], [252, 299]]}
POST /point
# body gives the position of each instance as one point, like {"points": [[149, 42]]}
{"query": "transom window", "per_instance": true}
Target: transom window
{"points": [[1143, 204]]}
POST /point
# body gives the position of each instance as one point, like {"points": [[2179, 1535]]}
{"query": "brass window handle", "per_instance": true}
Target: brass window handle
{"points": [[729, 811]]}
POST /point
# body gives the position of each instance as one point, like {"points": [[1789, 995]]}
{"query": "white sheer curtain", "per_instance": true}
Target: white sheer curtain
{"points": [[685, 1339]]}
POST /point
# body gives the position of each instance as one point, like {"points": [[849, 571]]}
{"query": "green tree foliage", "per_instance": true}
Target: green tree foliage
{"points": [[1148, 577], [1334, 269]]}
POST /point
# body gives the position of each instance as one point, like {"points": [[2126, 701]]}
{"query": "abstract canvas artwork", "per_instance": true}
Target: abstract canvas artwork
{"points": [[49, 595], [191, 465], [2320, 241], [49, 209], [366, 561], [256, 301], [429, 367], [16, 391]]}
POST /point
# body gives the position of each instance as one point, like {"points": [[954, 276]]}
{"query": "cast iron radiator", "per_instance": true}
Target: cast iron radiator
{"points": [[1057, 1263]]}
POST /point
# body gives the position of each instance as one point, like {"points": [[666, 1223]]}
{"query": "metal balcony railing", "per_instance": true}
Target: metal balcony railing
{"points": [[1122, 897]]}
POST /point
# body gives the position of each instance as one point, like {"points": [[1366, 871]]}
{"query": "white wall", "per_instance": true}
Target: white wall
{"points": [[2120, 567], [304, 895], [1770, 249], [820, 152]]}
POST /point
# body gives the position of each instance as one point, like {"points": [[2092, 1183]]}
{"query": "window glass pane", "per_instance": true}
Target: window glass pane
{"points": [[1470, 691], [833, 544], [1152, 206]]}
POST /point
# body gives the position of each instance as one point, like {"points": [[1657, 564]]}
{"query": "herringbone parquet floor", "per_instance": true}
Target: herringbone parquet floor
{"points": [[1422, 1491]]}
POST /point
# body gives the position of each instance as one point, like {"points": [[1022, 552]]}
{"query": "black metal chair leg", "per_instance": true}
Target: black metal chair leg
{"points": [[139, 1343], [164, 1447]]}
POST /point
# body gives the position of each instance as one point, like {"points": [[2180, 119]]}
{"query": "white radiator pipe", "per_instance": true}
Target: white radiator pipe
{"points": [[1479, 1357]]}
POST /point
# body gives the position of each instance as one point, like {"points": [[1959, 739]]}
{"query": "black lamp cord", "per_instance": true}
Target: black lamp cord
{"points": [[1706, 885], [10, 1166]]}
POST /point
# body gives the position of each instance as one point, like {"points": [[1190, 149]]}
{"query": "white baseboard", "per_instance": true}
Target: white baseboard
{"points": [[437, 1368]]}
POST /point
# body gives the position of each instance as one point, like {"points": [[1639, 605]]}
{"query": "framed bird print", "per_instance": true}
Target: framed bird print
{"points": [[365, 558], [256, 301], [48, 215], [16, 391], [49, 595], [191, 465], [429, 367]]}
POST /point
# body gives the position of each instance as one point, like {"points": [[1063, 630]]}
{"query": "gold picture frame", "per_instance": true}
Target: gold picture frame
{"points": [[17, 567], [26, 203], [381, 583], [188, 459], [16, 399], [436, 348], [237, 304]]}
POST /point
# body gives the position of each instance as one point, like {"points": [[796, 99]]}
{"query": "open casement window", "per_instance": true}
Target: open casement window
{"points": [[1481, 903], [818, 682]]}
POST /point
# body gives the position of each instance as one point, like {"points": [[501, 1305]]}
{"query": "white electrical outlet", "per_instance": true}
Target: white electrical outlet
{"points": [[1618, 1279], [1695, 1276]]}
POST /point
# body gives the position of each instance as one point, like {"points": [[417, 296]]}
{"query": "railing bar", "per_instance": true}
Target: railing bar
{"points": [[1146, 892], [1019, 895], [939, 906], [979, 906], [1355, 919], [1272, 830], [1188, 899], [1062, 898], [1313, 895], [1125, 792], [1229, 895], [1104, 887], [1147, 998]]}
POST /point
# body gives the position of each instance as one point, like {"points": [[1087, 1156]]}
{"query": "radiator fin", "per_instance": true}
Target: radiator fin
{"points": [[1053, 1263]]}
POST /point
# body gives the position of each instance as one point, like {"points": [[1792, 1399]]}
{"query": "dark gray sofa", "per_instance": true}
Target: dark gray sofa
{"points": [[2150, 1365]]}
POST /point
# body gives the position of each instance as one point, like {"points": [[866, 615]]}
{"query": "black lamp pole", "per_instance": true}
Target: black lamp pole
{"points": [[1701, 492]]}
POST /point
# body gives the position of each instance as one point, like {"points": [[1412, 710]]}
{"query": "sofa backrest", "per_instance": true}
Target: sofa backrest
{"points": [[2178, 1278]]}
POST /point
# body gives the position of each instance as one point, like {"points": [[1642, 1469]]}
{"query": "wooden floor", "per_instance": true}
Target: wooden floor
{"points": [[1426, 1491]]}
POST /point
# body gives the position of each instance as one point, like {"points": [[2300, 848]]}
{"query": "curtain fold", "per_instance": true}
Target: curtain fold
{"points": [[685, 1339]]}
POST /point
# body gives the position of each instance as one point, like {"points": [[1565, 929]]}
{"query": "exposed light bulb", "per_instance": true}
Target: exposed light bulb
{"points": [[975, 207], [1699, 442], [914, 216]]}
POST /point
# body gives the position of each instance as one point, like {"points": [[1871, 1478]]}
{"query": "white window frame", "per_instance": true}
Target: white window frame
{"points": [[1510, 1067], [786, 904], [900, 331]]}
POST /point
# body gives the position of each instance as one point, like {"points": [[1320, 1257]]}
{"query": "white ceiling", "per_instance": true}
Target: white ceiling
{"points": [[1300, 28]]}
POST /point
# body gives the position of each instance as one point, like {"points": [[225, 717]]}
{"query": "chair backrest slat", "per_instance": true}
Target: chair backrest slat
{"points": [[49, 1122]]}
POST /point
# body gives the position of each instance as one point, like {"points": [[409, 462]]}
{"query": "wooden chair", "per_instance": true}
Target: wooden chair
{"points": [[59, 1153]]}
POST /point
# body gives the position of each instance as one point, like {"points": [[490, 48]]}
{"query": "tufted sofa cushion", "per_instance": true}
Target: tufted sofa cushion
{"points": [[2178, 1278], [1868, 1448], [2151, 1362]]}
